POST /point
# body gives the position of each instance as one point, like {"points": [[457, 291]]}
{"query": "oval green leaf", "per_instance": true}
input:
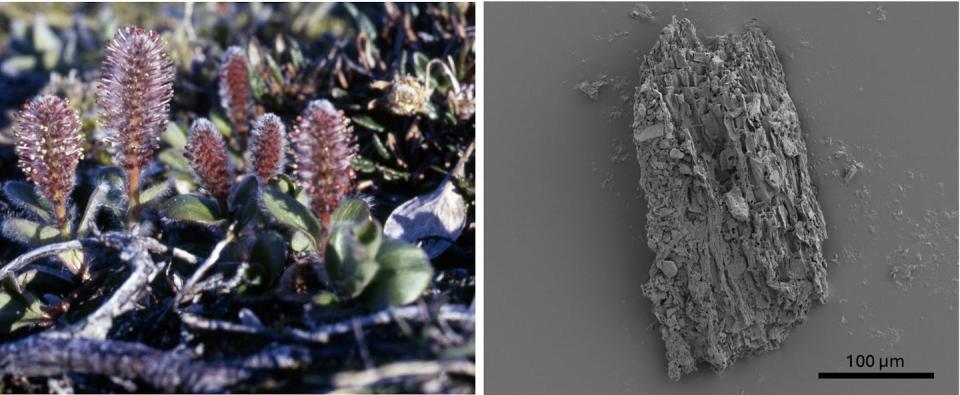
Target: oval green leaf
{"points": [[350, 257], [286, 210], [22, 195], [353, 210], [268, 255], [29, 232], [404, 274], [192, 208]]}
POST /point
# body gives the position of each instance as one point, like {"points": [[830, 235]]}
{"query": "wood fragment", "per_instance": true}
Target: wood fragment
{"points": [[733, 218], [169, 371]]}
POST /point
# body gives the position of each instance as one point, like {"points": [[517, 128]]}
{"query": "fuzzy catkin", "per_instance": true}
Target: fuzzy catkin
{"points": [[235, 94], [134, 95], [49, 147], [324, 148], [207, 153], [268, 147]]}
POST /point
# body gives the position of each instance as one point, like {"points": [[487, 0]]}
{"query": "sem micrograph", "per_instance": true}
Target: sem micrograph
{"points": [[732, 217]]}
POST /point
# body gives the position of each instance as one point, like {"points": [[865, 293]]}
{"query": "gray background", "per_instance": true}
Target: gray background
{"points": [[565, 241]]}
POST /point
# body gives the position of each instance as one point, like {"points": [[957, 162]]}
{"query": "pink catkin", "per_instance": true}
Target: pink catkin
{"points": [[324, 147], [134, 94], [235, 94], [49, 147], [268, 147], [207, 154]]}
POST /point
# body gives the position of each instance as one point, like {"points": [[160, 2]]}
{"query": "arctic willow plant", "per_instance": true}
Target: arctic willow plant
{"points": [[324, 148], [49, 148], [134, 94], [362, 265]]}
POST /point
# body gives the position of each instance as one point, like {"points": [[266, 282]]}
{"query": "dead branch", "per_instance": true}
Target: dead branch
{"points": [[154, 245], [124, 299], [323, 333], [172, 371], [188, 290], [40, 253], [351, 382]]}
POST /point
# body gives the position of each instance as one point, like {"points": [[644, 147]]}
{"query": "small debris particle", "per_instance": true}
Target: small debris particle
{"points": [[620, 154], [592, 88], [737, 205], [617, 35], [851, 170], [881, 13], [642, 12], [890, 335], [669, 268], [607, 180]]}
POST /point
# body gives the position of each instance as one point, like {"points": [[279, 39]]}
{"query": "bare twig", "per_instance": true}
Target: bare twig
{"points": [[174, 371], [124, 299], [361, 343], [323, 333], [188, 289], [352, 381], [40, 253], [220, 282], [156, 247], [197, 322]]}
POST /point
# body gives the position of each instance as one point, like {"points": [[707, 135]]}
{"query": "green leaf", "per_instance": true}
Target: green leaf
{"points": [[353, 210], [369, 123], [243, 202], [175, 136], [338, 93], [193, 208], [420, 65], [296, 55], [174, 159], [258, 87], [24, 196], [283, 183], [363, 165], [30, 232], [46, 42], [404, 274], [17, 311], [350, 257], [286, 210], [364, 25], [381, 149], [72, 259], [300, 242], [274, 69], [325, 298], [18, 64], [222, 125], [269, 255], [155, 193]]}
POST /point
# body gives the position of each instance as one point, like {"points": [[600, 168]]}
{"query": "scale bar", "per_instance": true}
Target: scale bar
{"points": [[875, 375]]}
